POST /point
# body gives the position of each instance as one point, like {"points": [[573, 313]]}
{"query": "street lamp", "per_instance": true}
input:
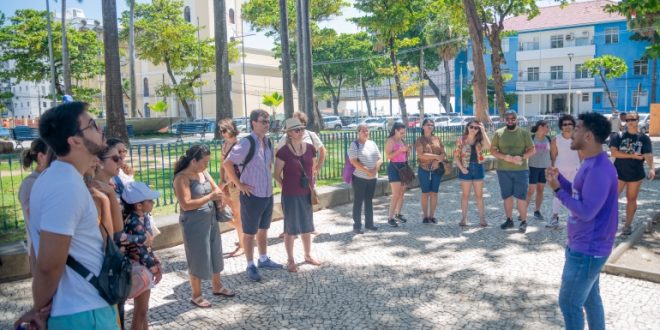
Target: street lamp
{"points": [[570, 65], [460, 67], [242, 37], [579, 99]]}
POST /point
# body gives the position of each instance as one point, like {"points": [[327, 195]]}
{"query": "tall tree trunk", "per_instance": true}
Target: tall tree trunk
{"points": [[397, 83], [300, 66], [447, 104], [366, 96], [66, 63], [314, 118], [493, 35], [434, 87], [286, 62], [335, 102], [131, 57], [223, 107], [182, 99], [479, 81], [607, 91], [113, 92], [421, 88], [654, 80], [53, 79]]}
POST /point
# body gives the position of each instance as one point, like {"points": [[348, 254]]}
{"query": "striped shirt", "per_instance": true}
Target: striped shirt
{"points": [[367, 153], [257, 173]]}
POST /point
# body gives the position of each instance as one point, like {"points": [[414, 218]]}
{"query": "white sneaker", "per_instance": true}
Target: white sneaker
{"points": [[554, 222]]}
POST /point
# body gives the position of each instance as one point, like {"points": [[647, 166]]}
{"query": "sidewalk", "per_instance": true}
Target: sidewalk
{"points": [[411, 277]]}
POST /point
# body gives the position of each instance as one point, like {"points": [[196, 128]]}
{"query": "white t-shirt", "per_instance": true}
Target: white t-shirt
{"points": [[60, 203]]}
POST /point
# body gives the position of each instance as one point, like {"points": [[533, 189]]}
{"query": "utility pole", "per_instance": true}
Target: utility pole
{"points": [[421, 82], [50, 54], [199, 65]]}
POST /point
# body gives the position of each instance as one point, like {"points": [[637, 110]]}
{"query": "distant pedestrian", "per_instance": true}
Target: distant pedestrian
{"points": [[232, 194], [512, 146], [366, 158], [197, 195], [431, 156], [592, 200], [64, 222], [565, 159], [294, 172], [469, 158], [538, 162], [397, 151], [630, 150], [139, 202], [255, 182]]}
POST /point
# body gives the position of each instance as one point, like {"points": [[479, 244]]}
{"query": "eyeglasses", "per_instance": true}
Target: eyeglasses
{"points": [[92, 125], [474, 127], [296, 130], [364, 131], [114, 158], [511, 119], [264, 121], [567, 124], [631, 120], [429, 125]]}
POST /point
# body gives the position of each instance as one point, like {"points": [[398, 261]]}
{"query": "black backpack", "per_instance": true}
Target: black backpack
{"points": [[114, 280], [249, 155]]}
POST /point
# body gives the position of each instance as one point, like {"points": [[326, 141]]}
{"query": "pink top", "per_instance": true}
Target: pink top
{"points": [[400, 158]]}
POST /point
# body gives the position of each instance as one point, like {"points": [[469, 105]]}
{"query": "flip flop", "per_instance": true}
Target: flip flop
{"points": [[226, 292], [312, 262], [200, 302]]}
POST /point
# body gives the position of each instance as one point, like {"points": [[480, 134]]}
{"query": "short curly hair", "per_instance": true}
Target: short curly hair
{"points": [[597, 124]]}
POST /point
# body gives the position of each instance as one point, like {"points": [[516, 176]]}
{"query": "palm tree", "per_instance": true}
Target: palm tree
{"points": [[131, 56], [113, 91], [66, 62], [273, 101], [286, 60], [223, 108]]}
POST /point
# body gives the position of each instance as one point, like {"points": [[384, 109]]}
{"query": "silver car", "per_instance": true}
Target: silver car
{"points": [[332, 122]]}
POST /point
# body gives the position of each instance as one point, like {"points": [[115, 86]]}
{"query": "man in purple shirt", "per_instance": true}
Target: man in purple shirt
{"points": [[255, 184], [593, 203]]}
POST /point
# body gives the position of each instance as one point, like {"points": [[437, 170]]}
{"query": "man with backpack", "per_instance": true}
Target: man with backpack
{"points": [[64, 225], [249, 167]]}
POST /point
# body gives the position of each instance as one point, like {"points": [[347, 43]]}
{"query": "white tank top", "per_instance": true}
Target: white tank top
{"points": [[565, 156]]}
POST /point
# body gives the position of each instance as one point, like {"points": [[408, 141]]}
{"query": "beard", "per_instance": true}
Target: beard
{"points": [[93, 148], [511, 127]]}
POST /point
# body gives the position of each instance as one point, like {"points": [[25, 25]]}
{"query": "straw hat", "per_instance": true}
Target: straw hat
{"points": [[292, 123]]}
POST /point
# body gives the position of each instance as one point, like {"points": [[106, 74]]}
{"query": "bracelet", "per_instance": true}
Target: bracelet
{"points": [[557, 190]]}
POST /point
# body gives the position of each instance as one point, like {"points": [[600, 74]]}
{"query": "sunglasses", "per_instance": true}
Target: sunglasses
{"points": [[114, 158], [264, 121], [511, 119], [473, 127], [429, 125], [296, 130], [223, 130], [567, 124], [92, 125], [631, 120]]}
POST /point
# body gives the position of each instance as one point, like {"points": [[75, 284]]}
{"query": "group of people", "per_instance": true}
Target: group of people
{"points": [[82, 196]]}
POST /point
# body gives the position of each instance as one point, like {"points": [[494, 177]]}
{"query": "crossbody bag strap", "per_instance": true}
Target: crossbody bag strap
{"points": [[82, 270]]}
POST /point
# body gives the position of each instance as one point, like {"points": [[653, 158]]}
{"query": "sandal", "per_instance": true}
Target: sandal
{"points": [[238, 252], [312, 261], [200, 302], [291, 266], [224, 291], [483, 224], [463, 223]]}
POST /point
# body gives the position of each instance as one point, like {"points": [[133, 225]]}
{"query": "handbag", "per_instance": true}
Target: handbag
{"points": [[313, 194], [223, 214], [141, 279], [406, 174]]}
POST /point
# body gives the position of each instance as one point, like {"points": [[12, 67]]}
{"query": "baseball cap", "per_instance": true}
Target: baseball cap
{"points": [[136, 192]]}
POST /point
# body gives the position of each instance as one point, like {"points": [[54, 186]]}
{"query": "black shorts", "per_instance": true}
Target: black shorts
{"points": [[536, 175], [256, 213]]}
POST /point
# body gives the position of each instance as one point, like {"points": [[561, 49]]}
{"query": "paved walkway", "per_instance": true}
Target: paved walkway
{"points": [[413, 277]]}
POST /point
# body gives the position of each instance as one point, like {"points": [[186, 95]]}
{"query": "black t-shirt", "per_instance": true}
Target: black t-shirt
{"points": [[630, 144]]}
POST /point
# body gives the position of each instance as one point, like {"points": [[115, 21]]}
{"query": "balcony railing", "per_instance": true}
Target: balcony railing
{"points": [[545, 81]]}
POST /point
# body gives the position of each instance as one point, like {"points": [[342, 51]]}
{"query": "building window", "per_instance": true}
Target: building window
{"points": [[186, 14], [612, 35], [557, 41], [581, 73], [231, 16], [44, 105], [533, 74], [145, 86], [557, 72], [615, 96], [641, 67], [640, 99], [528, 99], [585, 97], [505, 45]]}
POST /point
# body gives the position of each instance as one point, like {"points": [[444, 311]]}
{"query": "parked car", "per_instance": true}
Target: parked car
{"points": [[372, 123], [241, 124], [644, 122], [332, 122], [459, 121], [345, 120]]}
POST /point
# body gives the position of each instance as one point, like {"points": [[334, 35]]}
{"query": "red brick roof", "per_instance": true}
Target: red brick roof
{"points": [[579, 13]]}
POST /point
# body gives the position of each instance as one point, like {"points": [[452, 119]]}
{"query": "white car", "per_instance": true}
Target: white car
{"points": [[332, 122], [372, 123]]}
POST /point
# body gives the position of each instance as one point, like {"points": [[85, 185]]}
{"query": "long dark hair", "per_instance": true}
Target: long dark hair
{"points": [[29, 156], [196, 152], [427, 120], [477, 138], [396, 127]]}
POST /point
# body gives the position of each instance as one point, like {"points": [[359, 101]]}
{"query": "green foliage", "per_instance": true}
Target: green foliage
{"points": [[607, 66], [509, 98], [24, 41], [644, 17], [159, 106], [272, 100]]}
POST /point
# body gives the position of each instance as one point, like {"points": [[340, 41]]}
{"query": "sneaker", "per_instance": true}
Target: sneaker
{"points": [[538, 215], [507, 224], [401, 218], [523, 226], [554, 222], [426, 220], [433, 220], [358, 231], [269, 264], [627, 231], [372, 228], [253, 273], [392, 223]]}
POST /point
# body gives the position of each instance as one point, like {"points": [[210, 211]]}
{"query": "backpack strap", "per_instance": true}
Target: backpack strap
{"points": [[250, 154]]}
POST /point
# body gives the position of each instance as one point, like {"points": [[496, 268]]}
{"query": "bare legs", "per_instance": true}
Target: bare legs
{"points": [[307, 248], [632, 192], [478, 187], [140, 310], [235, 206], [396, 201], [535, 189], [429, 203]]}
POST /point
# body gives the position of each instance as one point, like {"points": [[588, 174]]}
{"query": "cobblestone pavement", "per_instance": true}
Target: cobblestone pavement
{"points": [[416, 276]]}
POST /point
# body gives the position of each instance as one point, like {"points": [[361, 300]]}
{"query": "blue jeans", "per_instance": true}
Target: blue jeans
{"points": [[579, 290]]}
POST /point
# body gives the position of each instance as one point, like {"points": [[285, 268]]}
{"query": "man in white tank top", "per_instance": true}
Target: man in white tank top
{"points": [[563, 158]]}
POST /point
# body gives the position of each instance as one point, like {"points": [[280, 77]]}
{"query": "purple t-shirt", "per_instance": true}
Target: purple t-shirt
{"points": [[594, 206], [257, 173], [292, 172]]}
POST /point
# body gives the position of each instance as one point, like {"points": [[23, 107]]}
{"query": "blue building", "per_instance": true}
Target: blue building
{"points": [[545, 57]]}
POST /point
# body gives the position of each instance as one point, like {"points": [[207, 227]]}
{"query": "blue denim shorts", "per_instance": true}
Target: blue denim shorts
{"points": [[393, 171], [428, 181], [476, 172], [513, 183]]}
